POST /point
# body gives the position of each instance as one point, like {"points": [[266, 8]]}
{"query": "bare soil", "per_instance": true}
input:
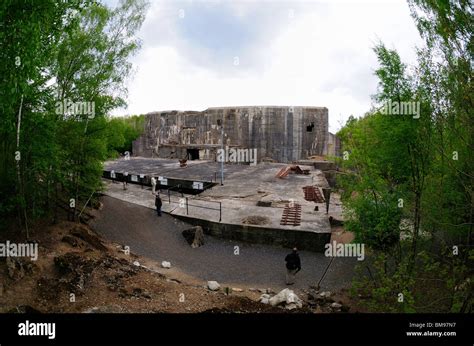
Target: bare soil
{"points": [[78, 271]]}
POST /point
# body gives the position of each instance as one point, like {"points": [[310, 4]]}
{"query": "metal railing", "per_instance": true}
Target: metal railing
{"points": [[175, 190], [170, 189], [184, 202]]}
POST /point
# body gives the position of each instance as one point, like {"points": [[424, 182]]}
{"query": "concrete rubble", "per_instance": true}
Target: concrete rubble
{"points": [[286, 296], [166, 264], [213, 285]]}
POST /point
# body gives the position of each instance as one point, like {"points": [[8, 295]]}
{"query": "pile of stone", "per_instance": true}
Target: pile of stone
{"points": [[286, 297], [324, 302]]}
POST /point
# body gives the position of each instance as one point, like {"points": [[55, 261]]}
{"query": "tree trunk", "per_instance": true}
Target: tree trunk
{"points": [[18, 171]]}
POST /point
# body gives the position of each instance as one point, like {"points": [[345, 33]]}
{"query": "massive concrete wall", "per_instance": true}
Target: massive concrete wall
{"points": [[284, 134], [333, 145]]}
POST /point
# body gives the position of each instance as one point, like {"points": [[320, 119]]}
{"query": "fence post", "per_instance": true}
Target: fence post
{"points": [[169, 197], [187, 211], [220, 211]]}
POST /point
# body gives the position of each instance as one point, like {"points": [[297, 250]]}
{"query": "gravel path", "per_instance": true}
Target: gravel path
{"points": [[256, 265]]}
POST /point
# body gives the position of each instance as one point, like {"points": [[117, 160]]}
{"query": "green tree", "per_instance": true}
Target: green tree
{"points": [[121, 132], [425, 165], [58, 54]]}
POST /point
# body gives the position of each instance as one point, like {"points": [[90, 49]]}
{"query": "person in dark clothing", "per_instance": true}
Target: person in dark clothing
{"points": [[158, 204], [293, 266], [125, 180]]}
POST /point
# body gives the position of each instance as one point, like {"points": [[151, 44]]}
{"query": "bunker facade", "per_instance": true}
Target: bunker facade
{"points": [[283, 134]]}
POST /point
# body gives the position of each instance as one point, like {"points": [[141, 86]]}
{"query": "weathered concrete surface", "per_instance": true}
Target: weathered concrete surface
{"points": [[329, 169], [285, 134], [245, 187], [333, 145], [199, 170]]}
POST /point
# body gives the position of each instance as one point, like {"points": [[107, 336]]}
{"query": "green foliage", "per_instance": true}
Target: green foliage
{"points": [[424, 166], [394, 83], [377, 220], [438, 283], [55, 53], [121, 132]]}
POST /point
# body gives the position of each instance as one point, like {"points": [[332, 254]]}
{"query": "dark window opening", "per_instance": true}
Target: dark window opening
{"points": [[309, 128], [193, 154]]}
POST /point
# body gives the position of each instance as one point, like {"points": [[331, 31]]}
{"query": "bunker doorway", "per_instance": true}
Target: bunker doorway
{"points": [[193, 154]]}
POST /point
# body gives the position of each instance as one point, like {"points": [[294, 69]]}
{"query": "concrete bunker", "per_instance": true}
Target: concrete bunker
{"points": [[283, 134]]}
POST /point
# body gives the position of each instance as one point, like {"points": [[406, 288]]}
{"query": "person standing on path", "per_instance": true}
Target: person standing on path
{"points": [[293, 266], [125, 180], [158, 204], [153, 185]]}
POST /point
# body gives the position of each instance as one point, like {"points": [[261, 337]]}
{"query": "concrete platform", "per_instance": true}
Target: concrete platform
{"points": [[199, 170], [224, 210]]}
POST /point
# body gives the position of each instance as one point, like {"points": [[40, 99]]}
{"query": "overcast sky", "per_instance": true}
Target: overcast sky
{"points": [[200, 54]]}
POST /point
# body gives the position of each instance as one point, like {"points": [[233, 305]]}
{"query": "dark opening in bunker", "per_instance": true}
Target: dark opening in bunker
{"points": [[310, 127], [193, 154]]}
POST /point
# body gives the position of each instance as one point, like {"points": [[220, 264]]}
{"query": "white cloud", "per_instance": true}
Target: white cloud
{"points": [[321, 57]]}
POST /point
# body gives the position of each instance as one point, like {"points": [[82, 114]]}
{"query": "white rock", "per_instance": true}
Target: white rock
{"points": [[166, 264], [264, 298], [336, 305], [294, 299], [235, 289], [291, 306], [213, 285], [136, 263], [325, 294], [287, 296], [280, 297], [291, 298]]}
